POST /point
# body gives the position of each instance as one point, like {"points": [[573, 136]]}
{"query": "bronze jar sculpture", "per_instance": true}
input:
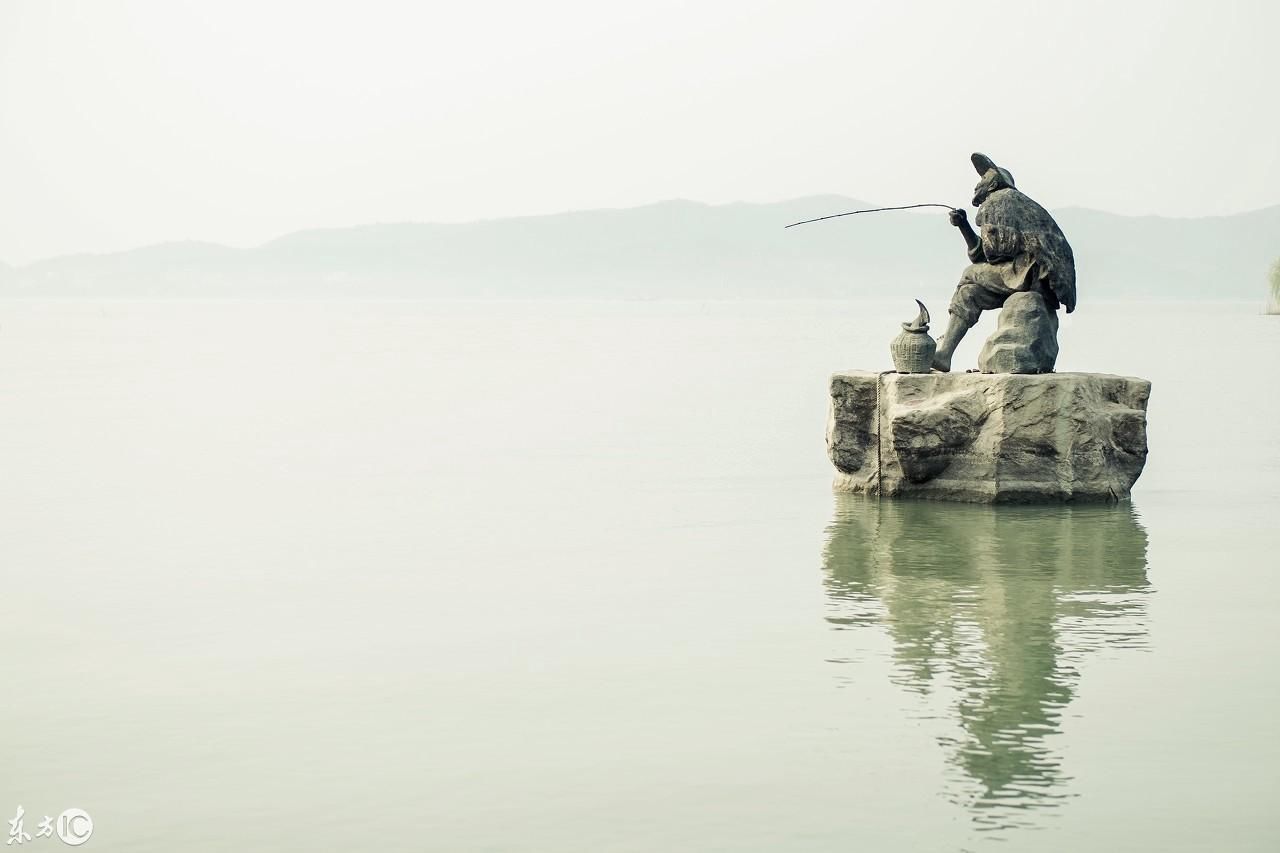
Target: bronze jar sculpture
{"points": [[913, 349]]}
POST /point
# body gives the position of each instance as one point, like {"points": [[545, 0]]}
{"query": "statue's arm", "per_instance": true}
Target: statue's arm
{"points": [[971, 240]]}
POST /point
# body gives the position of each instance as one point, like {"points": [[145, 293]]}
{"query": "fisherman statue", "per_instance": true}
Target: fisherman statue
{"points": [[999, 434], [1017, 249]]}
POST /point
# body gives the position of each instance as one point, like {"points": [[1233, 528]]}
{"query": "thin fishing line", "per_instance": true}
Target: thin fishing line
{"points": [[869, 210]]}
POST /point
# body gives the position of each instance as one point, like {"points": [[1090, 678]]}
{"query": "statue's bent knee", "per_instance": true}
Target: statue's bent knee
{"points": [[966, 303]]}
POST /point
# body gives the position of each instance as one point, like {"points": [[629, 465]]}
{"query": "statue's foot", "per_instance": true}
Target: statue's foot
{"points": [[942, 363]]}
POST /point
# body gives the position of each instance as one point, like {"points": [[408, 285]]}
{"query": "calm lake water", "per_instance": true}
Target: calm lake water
{"points": [[405, 576]]}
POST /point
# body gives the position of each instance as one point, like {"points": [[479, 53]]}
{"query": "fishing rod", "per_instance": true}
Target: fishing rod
{"points": [[870, 210]]}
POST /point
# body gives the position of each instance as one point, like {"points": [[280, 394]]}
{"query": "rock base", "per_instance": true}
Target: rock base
{"points": [[1025, 340], [988, 437]]}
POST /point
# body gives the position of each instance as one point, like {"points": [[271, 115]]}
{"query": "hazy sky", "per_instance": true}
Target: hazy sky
{"points": [[137, 121]]}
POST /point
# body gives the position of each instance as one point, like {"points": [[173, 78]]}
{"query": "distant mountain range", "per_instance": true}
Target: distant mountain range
{"points": [[673, 249]]}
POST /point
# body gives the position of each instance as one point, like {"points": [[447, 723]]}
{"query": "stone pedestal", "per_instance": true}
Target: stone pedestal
{"points": [[1025, 340], [988, 437]]}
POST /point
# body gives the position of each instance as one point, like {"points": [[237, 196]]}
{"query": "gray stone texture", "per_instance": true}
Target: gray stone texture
{"points": [[988, 437], [1025, 340], [1018, 258]]}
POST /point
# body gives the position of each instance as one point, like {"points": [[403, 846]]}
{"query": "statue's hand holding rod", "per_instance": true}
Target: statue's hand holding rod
{"points": [[972, 243]]}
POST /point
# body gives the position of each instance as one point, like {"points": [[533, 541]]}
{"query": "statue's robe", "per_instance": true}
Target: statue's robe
{"points": [[1021, 249]]}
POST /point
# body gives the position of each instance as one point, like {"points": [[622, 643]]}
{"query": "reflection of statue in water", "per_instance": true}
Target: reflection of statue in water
{"points": [[997, 604]]}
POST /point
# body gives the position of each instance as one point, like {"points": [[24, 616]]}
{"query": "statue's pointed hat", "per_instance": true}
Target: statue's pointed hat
{"points": [[985, 164]]}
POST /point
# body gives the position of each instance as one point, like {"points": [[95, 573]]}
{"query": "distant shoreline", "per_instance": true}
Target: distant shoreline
{"points": [[672, 250]]}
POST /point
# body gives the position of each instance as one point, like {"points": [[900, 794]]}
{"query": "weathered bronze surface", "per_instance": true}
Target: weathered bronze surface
{"points": [[1017, 248]]}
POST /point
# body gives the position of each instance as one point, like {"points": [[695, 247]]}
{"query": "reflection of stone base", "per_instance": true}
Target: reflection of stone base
{"points": [[988, 437], [1025, 340]]}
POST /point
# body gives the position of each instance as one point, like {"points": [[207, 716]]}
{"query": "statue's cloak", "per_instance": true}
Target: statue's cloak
{"points": [[1026, 247]]}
